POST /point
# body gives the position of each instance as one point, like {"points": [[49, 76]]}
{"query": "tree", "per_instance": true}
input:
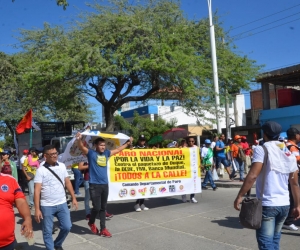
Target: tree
{"points": [[18, 96], [125, 52], [141, 125]]}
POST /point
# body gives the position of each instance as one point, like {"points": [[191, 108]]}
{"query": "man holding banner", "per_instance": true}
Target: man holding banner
{"points": [[98, 179]]}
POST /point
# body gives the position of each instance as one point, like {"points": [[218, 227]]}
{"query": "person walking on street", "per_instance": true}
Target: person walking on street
{"points": [[207, 162], [247, 150], [237, 150], [31, 164], [221, 156], [21, 175], [78, 179], [50, 181], [280, 168], [293, 135], [11, 194], [98, 179], [139, 204]]}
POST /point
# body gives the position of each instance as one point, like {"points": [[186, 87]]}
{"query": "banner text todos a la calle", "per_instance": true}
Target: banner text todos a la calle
{"points": [[145, 173]]}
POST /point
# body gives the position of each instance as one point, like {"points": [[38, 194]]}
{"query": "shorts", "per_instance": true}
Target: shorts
{"points": [[224, 161]]}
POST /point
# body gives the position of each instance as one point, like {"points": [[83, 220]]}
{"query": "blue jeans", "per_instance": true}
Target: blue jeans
{"points": [[31, 191], [268, 236], [208, 177], [87, 197], [78, 179], [62, 213], [240, 166]]}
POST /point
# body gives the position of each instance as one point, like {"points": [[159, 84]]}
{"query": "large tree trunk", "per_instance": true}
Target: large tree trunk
{"points": [[109, 119]]}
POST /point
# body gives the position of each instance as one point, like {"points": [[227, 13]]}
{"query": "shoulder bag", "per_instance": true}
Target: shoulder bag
{"points": [[251, 209], [68, 198]]}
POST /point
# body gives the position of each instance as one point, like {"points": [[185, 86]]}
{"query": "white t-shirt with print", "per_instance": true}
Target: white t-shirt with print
{"points": [[52, 192], [276, 191]]}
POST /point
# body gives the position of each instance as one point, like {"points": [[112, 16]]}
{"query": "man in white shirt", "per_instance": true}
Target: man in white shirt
{"points": [[275, 196], [50, 198]]}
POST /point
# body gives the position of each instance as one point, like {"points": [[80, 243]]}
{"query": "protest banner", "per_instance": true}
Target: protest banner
{"points": [[149, 173]]}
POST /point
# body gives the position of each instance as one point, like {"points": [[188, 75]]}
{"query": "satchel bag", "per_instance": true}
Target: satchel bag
{"points": [[241, 154], [68, 198], [251, 209]]}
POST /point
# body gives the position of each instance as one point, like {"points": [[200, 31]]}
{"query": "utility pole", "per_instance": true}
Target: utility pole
{"points": [[214, 64], [228, 132]]}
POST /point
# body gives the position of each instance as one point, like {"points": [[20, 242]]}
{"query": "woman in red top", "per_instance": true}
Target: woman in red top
{"points": [[11, 193]]}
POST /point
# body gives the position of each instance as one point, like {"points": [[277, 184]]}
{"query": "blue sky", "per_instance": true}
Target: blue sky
{"points": [[274, 47]]}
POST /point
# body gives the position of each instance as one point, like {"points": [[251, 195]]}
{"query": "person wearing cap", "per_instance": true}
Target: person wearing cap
{"points": [[246, 148], [207, 162], [280, 168], [31, 164], [293, 136], [139, 204], [239, 163], [8, 166], [221, 157], [172, 144]]}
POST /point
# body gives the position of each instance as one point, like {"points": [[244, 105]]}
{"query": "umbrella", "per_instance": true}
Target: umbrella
{"points": [[72, 154], [175, 133], [155, 139]]}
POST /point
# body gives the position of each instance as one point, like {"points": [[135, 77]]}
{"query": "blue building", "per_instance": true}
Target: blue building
{"points": [[286, 82]]}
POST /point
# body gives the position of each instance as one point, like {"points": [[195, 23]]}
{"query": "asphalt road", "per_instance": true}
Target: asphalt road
{"points": [[210, 224]]}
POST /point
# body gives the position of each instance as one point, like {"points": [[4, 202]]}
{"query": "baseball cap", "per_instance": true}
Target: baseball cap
{"points": [[291, 132], [5, 152], [237, 137], [272, 129], [25, 151], [243, 137], [142, 138], [207, 141]]}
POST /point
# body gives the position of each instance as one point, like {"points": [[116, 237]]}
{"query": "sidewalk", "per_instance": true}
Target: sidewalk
{"points": [[225, 182]]}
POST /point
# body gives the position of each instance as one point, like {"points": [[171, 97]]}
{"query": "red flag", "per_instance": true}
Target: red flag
{"points": [[25, 123]]}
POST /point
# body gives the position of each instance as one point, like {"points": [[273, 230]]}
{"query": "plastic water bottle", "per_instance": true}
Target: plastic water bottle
{"points": [[30, 240]]}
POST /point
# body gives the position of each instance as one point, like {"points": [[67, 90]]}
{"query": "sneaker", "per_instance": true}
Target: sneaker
{"points": [[104, 233], [58, 248], [215, 188], [183, 198], [87, 217], [193, 200], [108, 216], [204, 188], [93, 228], [144, 208], [137, 208], [78, 195], [291, 227]]}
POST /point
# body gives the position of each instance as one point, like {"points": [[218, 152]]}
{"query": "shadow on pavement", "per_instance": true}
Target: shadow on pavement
{"points": [[230, 222]]}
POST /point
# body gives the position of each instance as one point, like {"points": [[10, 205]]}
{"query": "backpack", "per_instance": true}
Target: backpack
{"points": [[241, 154]]}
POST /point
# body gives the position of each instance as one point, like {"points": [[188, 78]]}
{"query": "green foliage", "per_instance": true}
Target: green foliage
{"points": [[129, 50], [140, 125]]}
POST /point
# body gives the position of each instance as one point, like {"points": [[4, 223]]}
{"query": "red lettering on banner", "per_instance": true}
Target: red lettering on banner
{"points": [[155, 175], [177, 173], [160, 152], [127, 153]]}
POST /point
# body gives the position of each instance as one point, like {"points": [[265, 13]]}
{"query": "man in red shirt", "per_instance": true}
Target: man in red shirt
{"points": [[247, 151], [11, 193]]}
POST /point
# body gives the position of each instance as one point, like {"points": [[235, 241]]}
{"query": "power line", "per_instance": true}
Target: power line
{"points": [[265, 24], [267, 29], [265, 17]]}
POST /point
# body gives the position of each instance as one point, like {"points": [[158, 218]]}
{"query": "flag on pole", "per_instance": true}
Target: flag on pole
{"points": [[25, 123]]}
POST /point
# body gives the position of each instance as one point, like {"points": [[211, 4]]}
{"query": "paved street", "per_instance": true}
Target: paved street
{"points": [[212, 223]]}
